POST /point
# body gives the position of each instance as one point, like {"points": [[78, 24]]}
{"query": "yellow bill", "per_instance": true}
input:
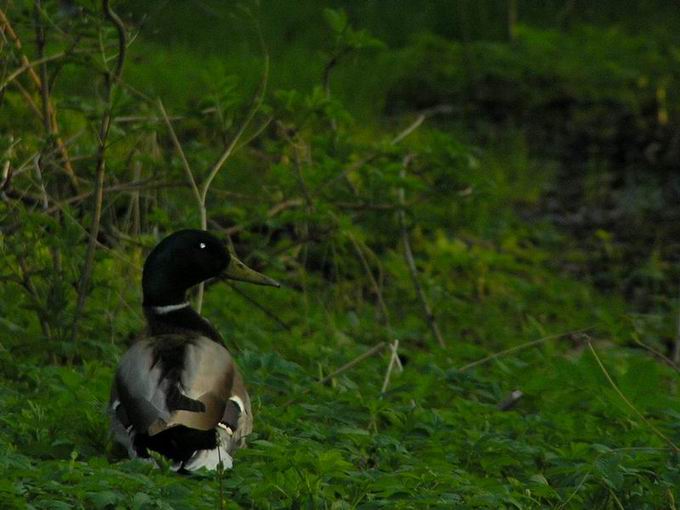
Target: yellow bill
{"points": [[237, 270]]}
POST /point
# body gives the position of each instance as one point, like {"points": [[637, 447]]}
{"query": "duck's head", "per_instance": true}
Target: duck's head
{"points": [[186, 258]]}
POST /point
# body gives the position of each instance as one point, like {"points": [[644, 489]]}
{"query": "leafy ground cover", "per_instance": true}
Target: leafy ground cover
{"points": [[542, 240]]}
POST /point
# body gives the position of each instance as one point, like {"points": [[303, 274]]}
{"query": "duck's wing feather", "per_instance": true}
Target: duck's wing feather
{"points": [[238, 413], [139, 388], [171, 380]]}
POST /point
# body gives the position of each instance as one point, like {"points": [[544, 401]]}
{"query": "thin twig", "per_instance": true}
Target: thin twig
{"points": [[220, 472], [628, 402], [111, 79], [409, 129], [589, 472], [255, 107], [255, 134], [657, 354], [410, 261], [7, 174], [371, 352], [613, 494], [520, 347], [41, 183], [194, 188], [394, 361], [6, 27], [44, 85], [273, 211], [260, 307], [180, 151], [376, 288], [370, 157], [134, 186], [201, 193], [29, 100], [26, 282], [676, 345], [19, 71]]}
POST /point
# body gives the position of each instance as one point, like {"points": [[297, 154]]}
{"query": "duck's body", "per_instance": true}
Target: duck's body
{"points": [[178, 392]]}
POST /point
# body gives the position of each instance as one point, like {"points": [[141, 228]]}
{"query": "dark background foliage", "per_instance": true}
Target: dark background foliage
{"points": [[509, 165]]}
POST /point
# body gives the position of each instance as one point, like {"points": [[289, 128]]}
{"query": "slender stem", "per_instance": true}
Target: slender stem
{"points": [[220, 472], [200, 197], [25, 67], [376, 288], [628, 402], [6, 27], [658, 354], [410, 261], [350, 364], [394, 360], [260, 307], [180, 151], [201, 194], [601, 455], [372, 351], [255, 107], [44, 86], [409, 129], [676, 345], [111, 79], [520, 347]]}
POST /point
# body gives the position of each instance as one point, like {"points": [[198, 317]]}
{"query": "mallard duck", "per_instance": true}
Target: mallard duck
{"points": [[178, 391]]}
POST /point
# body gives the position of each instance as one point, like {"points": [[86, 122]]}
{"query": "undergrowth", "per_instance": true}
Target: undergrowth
{"points": [[460, 151]]}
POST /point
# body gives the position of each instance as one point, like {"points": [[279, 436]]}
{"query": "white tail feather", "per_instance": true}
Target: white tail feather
{"points": [[209, 459]]}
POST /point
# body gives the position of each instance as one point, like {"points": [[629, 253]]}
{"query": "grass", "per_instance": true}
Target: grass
{"points": [[511, 287]]}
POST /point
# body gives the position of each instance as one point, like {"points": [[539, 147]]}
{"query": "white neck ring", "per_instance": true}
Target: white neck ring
{"points": [[162, 310]]}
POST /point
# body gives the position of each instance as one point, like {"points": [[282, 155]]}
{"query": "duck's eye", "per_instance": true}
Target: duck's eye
{"points": [[201, 246]]}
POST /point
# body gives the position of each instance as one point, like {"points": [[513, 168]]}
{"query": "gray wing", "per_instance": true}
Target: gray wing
{"points": [[139, 389], [144, 399]]}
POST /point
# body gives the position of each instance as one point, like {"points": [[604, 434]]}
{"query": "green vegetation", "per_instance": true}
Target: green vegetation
{"points": [[535, 181]]}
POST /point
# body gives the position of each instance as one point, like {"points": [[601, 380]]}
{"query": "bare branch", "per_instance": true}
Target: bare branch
{"points": [[260, 307], [371, 352], [273, 211], [180, 151], [201, 193], [628, 402], [410, 261], [676, 344], [255, 107], [521, 347], [6, 27], [370, 157], [657, 354], [394, 361], [376, 288], [409, 129], [111, 79], [350, 364], [19, 71]]}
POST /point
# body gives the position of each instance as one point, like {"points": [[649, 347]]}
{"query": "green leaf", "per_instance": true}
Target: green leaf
{"points": [[336, 19], [104, 499]]}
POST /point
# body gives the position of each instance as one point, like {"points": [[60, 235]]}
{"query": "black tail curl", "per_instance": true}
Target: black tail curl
{"points": [[177, 443]]}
